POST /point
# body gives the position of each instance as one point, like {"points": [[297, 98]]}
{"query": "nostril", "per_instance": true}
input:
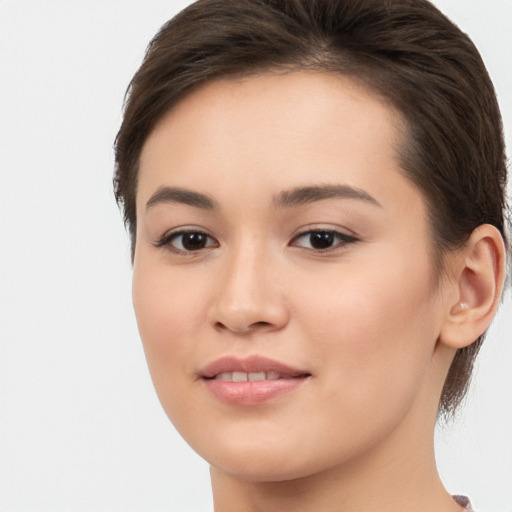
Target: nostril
{"points": [[247, 315], [260, 324], [255, 326]]}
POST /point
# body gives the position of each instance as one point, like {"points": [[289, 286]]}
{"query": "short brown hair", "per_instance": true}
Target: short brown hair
{"points": [[406, 51]]}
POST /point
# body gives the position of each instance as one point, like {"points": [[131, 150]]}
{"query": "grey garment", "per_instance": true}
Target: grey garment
{"points": [[463, 501]]}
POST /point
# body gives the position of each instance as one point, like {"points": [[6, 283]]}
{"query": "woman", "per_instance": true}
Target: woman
{"points": [[315, 192]]}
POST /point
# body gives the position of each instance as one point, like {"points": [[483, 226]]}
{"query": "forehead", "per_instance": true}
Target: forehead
{"points": [[281, 129]]}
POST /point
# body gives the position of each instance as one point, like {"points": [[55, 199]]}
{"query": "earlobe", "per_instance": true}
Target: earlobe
{"points": [[478, 277]]}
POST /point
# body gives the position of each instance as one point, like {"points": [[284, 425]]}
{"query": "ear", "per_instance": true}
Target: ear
{"points": [[477, 277]]}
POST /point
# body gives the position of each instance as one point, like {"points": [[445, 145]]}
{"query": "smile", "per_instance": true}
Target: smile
{"points": [[250, 381], [253, 376]]}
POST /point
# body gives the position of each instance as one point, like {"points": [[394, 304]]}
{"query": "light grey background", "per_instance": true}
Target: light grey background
{"points": [[80, 425]]}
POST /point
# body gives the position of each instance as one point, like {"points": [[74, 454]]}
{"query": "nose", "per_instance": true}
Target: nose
{"points": [[249, 294]]}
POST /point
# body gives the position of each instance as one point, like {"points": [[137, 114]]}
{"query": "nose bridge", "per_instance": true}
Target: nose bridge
{"points": [[249, 295]]}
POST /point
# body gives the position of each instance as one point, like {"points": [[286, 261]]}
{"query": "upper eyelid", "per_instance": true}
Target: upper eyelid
{"points": [[169, 235], [331, 229], [334, 231], [346, 239], [185, 229]]}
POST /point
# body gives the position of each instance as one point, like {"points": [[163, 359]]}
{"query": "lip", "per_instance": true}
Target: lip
{"points": [[251, 392], [248, 365]]}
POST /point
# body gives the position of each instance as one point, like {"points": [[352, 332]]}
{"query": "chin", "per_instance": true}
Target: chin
{"points": [[262, 469], [260, 458]]}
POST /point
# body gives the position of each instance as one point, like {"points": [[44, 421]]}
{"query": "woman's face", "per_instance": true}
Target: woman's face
{"points": [[283, 283]]}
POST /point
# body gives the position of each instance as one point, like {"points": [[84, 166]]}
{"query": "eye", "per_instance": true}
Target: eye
{"points": [[322, 239], [187, 241]]}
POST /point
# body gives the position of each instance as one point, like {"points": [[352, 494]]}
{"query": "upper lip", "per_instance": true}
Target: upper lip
{"points": [[252, 364]]}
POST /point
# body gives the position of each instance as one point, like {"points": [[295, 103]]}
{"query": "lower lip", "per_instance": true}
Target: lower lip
{"points": [[252, 392]]}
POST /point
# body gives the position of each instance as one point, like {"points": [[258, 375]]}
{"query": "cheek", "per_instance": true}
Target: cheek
{"points": [[375, 332], [166, 309]]}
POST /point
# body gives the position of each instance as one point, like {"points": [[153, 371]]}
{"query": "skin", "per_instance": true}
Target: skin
{"points": [[365, 318]]}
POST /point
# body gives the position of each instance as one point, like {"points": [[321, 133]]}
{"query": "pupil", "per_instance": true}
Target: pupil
{"points": [[193, 241], [321, 239]]}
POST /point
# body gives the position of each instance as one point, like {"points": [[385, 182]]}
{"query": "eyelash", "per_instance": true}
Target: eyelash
{"points": [[167, 239], [343, 240]]}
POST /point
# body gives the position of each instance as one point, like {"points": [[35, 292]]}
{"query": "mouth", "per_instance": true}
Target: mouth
{"points": [[251, 381], [252, 376]]}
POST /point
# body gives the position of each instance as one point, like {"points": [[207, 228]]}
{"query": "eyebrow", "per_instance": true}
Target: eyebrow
{"points": [[286, 199], [182, 196], [310, 194]]}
